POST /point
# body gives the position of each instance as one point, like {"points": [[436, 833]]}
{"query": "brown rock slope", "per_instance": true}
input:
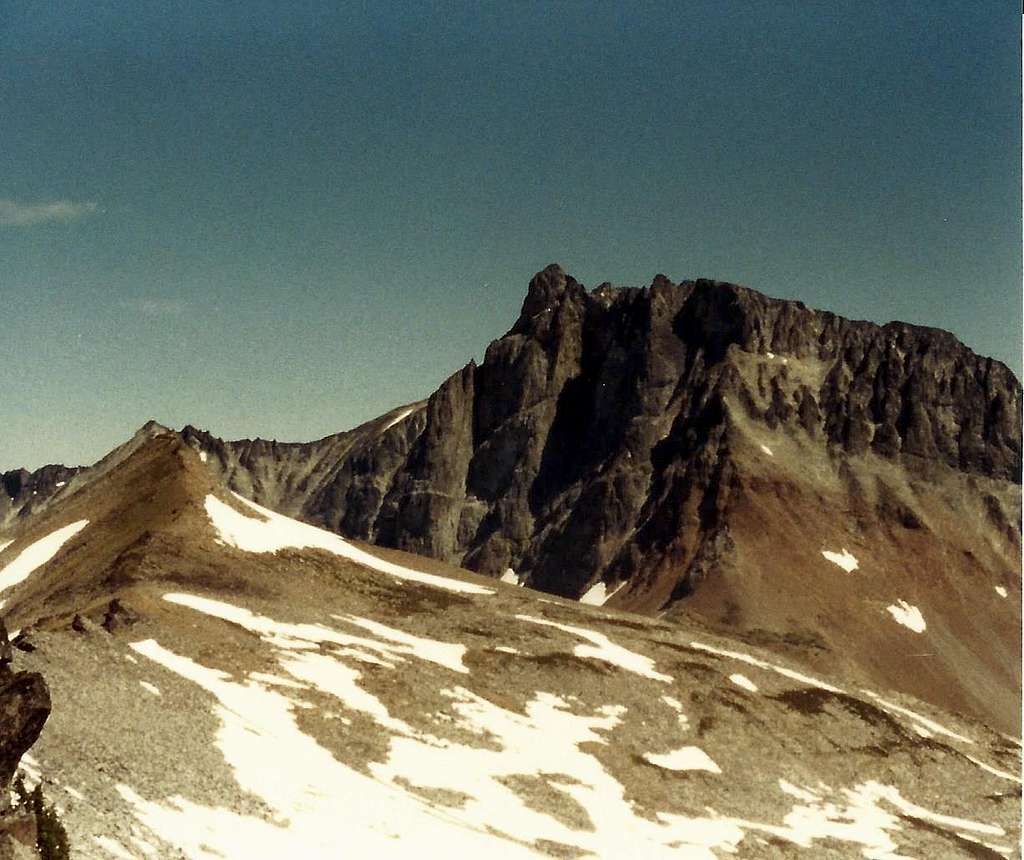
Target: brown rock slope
{"points": [[229, 683]]}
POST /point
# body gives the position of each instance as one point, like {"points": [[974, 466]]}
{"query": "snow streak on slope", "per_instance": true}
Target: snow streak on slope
{"points": [[744, 682], [918, 719], [274, 532], [764, 664], [398, 418], [39, 553], [684, 758]]}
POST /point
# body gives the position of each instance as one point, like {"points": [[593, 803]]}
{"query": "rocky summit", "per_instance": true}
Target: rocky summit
{"points": [[228, 682]]}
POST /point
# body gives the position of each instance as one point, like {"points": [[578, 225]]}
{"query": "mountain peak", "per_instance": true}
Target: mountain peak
{"points": [[151, 428]]}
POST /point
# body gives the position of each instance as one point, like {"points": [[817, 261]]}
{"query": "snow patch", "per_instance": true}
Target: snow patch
{"points": [[60, 484], [37, 554], [202, 456], [4, 544], [150, 688], [444, 654], [596, 595], [685, 758], [602, 648], [767, 450], [803, 794], [510, 577], [908, 616], [861, 820], [313, 797], [275, 532], [305, 637], [844, 559], [744, 682], [999, 589]]}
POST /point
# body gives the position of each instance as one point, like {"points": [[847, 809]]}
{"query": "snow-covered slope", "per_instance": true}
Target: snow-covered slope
{"points": [[269, 690]]}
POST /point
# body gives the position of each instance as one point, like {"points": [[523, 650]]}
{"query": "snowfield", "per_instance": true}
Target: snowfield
{"points": [[320, 808], [37, 554], [253, 712], [272, 532]]}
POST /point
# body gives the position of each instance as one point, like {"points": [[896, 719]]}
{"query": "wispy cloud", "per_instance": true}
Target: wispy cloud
{"points": [[156, 308], [15, 214]]}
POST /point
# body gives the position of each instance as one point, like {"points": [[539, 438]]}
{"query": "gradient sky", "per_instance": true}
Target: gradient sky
{"points": [[283, 219]]}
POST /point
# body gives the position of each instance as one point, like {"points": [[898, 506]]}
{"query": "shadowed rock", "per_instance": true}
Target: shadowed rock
{"points": [[24, 708]]}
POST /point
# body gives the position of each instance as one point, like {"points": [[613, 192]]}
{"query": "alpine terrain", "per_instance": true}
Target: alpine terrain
{"points": [[230, 683], [773, 560]]}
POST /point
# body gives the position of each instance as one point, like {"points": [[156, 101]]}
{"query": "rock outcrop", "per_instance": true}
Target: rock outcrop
{"points": [[24, 708]]}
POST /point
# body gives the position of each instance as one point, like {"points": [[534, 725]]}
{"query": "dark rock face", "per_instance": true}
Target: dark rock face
{"points": [[24, 708], [603, 427]]}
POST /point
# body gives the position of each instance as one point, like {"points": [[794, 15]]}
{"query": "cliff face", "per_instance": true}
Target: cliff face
{"points": [[604, 421], [695, 449]]}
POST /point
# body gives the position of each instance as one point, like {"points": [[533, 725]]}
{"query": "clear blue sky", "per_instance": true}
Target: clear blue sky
{"points": [[282, 219]]}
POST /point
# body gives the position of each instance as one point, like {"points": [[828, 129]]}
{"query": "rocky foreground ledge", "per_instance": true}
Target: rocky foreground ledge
{"points": [[24, 709]]}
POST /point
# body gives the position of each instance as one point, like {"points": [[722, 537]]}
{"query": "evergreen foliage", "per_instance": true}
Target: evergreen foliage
{"points": [[51, 837]]}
